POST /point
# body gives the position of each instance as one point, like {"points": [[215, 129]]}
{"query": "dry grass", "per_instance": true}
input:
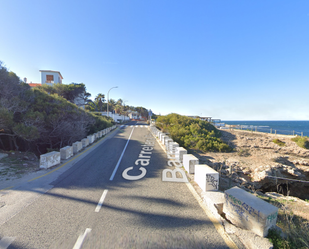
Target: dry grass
{"points": [[294, 227]]}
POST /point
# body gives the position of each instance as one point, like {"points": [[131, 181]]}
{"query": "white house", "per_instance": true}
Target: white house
{"points": [[50, 77], [134, 115]]}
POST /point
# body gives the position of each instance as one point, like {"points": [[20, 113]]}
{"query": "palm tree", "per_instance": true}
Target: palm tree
{"points": [[100, 99]]}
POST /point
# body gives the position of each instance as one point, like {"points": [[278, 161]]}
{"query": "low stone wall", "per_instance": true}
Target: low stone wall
{"points": [[66, 152], [189, 162], [248, 211], [90, 139], [53, 158], [240, 207], [85, 142], [49, 159], [180, 151], [206, 177], [77, 146], [172, 147]]}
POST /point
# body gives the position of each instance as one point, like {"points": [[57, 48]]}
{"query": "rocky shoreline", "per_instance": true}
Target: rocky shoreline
{"points": [[261, 166]]}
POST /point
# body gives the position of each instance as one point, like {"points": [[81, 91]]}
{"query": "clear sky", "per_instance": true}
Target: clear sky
{"points": [[226, 59]]}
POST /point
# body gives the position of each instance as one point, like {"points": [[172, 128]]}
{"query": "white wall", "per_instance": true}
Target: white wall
{"points": [[57, 78], [116, 116]]}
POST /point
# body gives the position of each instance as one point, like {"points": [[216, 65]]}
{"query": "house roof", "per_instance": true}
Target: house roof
{"points": [[34, 84], [51, 71]]}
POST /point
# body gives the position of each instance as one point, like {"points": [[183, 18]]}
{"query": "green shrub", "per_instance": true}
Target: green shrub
{"points": [[301, 142], [279, 142], [192, 133], [275, 238]]}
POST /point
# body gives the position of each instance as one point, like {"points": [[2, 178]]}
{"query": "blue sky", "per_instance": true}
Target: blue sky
{"points": [[227, 59]]}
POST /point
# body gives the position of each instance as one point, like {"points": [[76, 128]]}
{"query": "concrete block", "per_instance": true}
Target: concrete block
{"points": [[180, 151], [66, 152], [49, 159], [90, 139], [77, 146], [172, 147], [206, 177], [104, 132], [161, 136], [189, 162], [164, 138], [249, 212], [85, 142], [167, 142], [214, 201]]}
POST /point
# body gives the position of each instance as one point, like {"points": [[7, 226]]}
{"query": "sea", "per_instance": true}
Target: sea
{"points": [[300, 128]]}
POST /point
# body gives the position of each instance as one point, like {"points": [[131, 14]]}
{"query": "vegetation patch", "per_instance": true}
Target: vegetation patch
{"points": [[192, 133], [294, 227], [279, 142], [302, 142]]}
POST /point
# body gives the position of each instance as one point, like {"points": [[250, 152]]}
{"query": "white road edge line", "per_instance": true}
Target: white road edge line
{"points": [[6, 241], [115, 170], [81, 238], [97, 209]]}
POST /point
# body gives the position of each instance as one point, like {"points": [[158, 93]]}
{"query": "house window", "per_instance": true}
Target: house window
{"points": [[49, 78]]}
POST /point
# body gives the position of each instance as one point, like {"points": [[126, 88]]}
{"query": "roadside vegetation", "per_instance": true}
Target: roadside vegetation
{"points": [[295, 228], [42, 119], [48, 118], [302, 142], [192, 133]]}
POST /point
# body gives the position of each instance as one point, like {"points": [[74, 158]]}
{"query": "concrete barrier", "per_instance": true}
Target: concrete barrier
{"points": [[172, 147], [248, 211], [164, 137], [66, 152], [49, 159], [77, 146], [104, 132], [189, 162], [161, 137], [167, 142], [91, 139], [180, 151], [206, 177], [85, 142]]}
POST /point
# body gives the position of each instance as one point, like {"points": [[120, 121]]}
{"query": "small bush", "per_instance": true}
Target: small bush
{"points": [[279, 142], [275, 238], [301, 142]]}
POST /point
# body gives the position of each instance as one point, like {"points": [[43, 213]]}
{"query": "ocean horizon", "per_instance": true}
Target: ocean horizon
{"points": [[285, 127]]}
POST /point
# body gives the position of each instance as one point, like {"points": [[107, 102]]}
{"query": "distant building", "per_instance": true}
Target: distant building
{"points": [[117, 118], [50, 77], [134, 115], [208, 119]]}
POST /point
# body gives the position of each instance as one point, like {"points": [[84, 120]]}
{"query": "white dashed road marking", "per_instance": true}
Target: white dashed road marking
{"points": [[6, 241], [101, 201], [81, 239]]}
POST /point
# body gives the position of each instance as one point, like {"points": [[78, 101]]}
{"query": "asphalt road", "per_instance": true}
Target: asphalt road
{"points": [[91, 205]]}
